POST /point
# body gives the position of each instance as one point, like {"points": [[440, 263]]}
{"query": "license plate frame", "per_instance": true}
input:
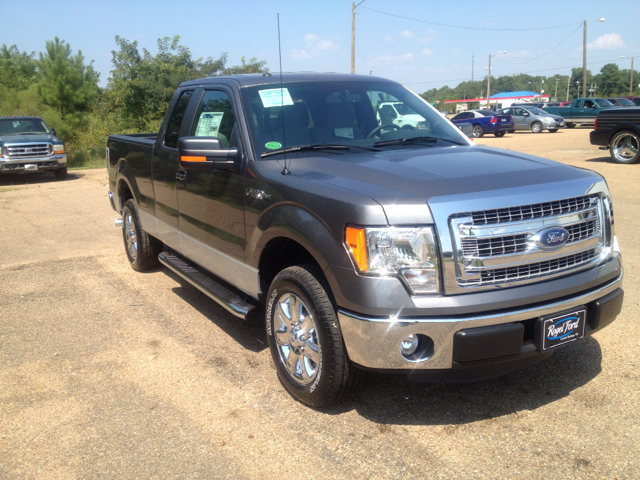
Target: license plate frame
{"points": [[561, 328]]}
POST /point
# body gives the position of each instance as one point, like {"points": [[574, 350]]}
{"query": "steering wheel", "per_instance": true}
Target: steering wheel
{"points": [[380, 127]]}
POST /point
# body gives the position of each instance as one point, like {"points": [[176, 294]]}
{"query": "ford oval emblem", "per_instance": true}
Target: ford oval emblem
{"points": [[552, 238]]}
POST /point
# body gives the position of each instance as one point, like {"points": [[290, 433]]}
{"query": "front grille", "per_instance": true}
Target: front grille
{"points": [[527, 212], [532, 270], [502, 246], [496, 246], [28, 150]]}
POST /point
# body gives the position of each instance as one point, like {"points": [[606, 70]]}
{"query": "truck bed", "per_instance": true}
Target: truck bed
{"points": [[146, 138]]}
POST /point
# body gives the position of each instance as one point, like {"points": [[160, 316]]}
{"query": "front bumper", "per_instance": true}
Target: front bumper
{"points": [[375, 342], [36, 164]]}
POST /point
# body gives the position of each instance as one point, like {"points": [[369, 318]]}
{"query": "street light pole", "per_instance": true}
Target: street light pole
{"points": [[584, 56], [353, 36], [489, 78]]}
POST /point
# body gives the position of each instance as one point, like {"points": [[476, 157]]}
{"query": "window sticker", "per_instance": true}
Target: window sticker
{"points": [[276, 97], [209, 124], [345, 132], [16, 124], [273, 145]]}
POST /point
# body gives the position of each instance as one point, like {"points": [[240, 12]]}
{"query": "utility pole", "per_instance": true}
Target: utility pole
{"points": [[556, 95], [584, 57], [568, 84], [631, 82], [489, 78], [472, 59], [353, 36]]}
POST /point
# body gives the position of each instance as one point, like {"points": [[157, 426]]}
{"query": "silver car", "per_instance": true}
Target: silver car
{"points": [[534, 119]]}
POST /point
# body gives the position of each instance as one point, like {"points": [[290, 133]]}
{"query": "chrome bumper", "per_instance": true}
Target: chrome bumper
{"points": [[375, 343], [9, 164]]}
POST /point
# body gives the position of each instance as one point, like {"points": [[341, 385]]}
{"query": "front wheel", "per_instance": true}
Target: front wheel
{"points": [[305, 339], [570, 125], [625, 147], [61, 173], [553, 130], [478, 131], [536, 127], [142, 249], [499, 134]]}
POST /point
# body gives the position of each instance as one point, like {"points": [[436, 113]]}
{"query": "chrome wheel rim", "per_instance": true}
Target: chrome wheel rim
{"points": [[476, 131], [625, 148], [536, 128], [130, 238], [296, 339]]}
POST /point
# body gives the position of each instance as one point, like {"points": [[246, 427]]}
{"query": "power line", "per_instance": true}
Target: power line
{"points": [[470, 28], [533, 59]]}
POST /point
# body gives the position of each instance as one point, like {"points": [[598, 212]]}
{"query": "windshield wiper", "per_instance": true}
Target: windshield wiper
{"points": [[414, 140], [31, 133], [306, 148]]}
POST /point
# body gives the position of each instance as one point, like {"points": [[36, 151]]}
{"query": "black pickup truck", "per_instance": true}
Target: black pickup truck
{"points": [[366, 245], [618, 130]]}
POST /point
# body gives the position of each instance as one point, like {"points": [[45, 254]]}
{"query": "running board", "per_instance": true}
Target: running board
{"points": [[220, 294]]}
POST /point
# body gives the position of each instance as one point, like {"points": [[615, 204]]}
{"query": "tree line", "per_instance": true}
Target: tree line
{"points": [[610, 82], [61, 87]]}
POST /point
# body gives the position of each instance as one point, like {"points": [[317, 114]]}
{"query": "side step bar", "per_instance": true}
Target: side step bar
{"points": [[220, 294]]}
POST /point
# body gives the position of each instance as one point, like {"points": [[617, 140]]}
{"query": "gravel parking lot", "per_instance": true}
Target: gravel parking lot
{"points": [[109, 373]]}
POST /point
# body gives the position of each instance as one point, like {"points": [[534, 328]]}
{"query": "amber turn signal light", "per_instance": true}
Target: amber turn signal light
{"points": [[357, 246], [193, 159]]}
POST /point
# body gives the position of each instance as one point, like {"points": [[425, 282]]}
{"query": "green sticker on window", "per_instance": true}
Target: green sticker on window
{"points": [[273, 145]]}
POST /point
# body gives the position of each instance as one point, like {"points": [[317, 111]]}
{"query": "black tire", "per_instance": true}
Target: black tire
{"points": [[624, 147], [499, 134], [570, 125], [478, 131], [553, 130], [536, 127], [319, 372], [142, 249], [61, 173]]}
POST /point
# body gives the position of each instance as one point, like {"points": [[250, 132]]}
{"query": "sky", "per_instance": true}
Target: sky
{"points": [[416, 42]]}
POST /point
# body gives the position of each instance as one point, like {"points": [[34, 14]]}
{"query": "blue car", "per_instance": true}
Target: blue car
{"points": [[486, 121]]}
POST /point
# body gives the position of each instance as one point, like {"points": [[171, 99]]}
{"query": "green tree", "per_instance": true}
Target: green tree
{"points": [[17, 69], [66, 83], [611, 81]]}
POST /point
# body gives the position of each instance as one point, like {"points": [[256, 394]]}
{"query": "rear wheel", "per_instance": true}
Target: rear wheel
{"points": [[536, 127], [142, 249], [478, 131], [625, 147], [61, 173], [499, 134], [305, 339], [570, 125]]}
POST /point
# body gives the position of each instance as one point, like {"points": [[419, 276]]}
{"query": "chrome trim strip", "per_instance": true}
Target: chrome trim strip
{"points": [[374, 342]]}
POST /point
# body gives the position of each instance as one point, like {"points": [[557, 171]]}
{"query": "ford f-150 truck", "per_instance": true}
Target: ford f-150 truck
{"points": [[582, 111], [28, 145], [365, 245]]}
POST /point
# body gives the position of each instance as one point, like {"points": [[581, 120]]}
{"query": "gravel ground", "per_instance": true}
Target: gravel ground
{"points": [[108, 373]]}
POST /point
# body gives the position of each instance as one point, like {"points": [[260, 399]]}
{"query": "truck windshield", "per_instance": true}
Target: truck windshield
{"points": [[353, 114], [22, 126]]}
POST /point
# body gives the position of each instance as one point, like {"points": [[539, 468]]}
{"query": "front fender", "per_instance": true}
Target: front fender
{"points": [[302, 226]]}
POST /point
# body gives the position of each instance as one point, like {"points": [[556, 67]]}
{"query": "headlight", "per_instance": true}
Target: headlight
{"points": [[409, 253], [58, 149]]}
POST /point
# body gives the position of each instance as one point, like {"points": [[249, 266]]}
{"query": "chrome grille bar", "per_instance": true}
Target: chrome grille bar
{"points": [[527, 212], [28, 150]]}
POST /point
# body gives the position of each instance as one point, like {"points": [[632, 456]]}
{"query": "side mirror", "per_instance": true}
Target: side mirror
{"points": [[526, 114], [205, 153], [466, 128], [53, 132]]}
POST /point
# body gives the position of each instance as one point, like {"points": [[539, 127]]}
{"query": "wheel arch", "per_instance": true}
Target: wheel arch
{"points": [[623, 127]]}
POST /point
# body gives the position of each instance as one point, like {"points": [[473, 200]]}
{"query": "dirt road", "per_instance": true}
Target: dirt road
{"points": [[108, 373]]}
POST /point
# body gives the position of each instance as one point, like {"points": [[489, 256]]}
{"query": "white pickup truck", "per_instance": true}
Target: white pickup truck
{"points": [[399, 114]]}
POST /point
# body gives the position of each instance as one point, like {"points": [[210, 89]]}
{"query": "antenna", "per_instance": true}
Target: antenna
{"points": [[285, 171]]}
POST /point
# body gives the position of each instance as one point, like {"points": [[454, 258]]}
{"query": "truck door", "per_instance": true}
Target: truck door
{"points": [[211, 202], [165, 166]]}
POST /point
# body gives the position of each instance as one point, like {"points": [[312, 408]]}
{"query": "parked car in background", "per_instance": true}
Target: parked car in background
{"points": [[635, 100], [485, 121], [534, 119], [401, 115], [529, 104], [618, 130], [622, 102], [28, 145], [582, 111], [555, 104]]}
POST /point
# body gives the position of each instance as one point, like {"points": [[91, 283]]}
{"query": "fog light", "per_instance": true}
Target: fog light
{"points": [[422, 280], [409, 345]]}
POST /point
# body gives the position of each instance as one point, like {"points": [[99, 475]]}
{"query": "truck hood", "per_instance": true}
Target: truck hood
{"points": [[399, 178], [35, 138]]}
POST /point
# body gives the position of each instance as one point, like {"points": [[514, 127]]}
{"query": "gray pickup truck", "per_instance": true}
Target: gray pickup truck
{"points": [[364, 245]]}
